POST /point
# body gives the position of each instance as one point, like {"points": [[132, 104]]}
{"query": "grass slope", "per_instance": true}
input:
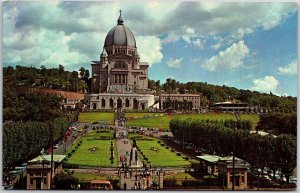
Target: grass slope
{"points": [[155, 120], [163, 122]]}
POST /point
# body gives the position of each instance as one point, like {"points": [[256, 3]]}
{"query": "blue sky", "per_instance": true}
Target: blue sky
{"points": [[244, 45]]}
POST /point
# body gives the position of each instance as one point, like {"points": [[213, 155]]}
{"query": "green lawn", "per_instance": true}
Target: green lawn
{"points": [[88, 177], [89, 117], [84, 156], [162, 158], [163, 122], [100, 133], [159, 120]]}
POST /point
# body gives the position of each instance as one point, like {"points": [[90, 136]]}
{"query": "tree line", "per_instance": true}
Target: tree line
{"points": [[214, 93], [278, 123], [28, 119], [260, 151], [24, 140], [54, 78]]}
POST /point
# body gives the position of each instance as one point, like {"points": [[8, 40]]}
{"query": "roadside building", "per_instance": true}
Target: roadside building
{"points": [[228, 106], [39, 171], [225, 166], [180, 101], [209, 164]]}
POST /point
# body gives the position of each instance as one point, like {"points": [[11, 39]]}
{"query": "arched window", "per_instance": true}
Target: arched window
{"points": [[135, 104], [103, 102], [127, 102], [111, 103], [119, 103]]}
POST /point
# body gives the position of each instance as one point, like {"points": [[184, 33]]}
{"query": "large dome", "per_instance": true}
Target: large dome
{"points": [[120, 35]]}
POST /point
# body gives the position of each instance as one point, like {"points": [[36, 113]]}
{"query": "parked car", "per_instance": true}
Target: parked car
{"points": [[56, 146]]}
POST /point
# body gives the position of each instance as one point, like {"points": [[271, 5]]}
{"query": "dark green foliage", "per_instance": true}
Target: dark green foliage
{"points": [[171, 182], [25, 140], [279, 123], [63, 181], [55, 78], [260, 151], [191, 183], [216, 94]]}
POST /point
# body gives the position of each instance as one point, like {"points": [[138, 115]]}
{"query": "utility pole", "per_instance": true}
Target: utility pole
{"points": [[238, 118], [51, 143]]}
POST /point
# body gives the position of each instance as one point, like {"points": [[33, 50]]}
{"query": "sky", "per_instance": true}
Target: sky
{"points": [[251, 45]]}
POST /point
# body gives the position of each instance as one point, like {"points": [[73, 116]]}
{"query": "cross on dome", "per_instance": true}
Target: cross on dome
{"points": [[120, 20]]}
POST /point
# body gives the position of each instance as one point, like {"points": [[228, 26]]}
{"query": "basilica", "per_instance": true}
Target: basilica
{"points": [[120, 79]]}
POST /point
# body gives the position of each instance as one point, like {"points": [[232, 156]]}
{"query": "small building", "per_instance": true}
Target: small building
{"points": [[209, 164], [39, 171], [225, 166], [180, 101], [229, 106]]}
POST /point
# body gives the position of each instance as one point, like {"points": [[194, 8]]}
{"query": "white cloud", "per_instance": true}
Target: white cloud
{"points": [[232, 57], [266, 84], [37, 32], [198, 43], [149, 49], [289, 69], [174, 62], [171, 37]]}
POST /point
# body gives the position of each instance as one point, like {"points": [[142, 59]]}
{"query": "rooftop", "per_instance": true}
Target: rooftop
{"points": [[40, 158], [209, 158]]}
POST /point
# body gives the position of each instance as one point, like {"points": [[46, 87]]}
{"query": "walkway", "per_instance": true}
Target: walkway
{"points": [[124, 148]]}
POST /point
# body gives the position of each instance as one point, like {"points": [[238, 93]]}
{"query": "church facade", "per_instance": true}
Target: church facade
{"points": [[119, 78]]}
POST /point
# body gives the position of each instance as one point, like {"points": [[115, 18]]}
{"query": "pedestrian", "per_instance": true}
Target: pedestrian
{"points": [[135, 177], [135, 185], [139, 185], [130, 174], [125, 186]]}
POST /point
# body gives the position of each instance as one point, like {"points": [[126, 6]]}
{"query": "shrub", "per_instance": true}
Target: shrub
{"points": [[158, 141], [172, 150], [167, 147], [178, 154], [189, 183], [170, 182]]}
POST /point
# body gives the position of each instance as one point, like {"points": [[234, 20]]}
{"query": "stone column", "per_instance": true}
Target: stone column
{"points": [[161, 180]]}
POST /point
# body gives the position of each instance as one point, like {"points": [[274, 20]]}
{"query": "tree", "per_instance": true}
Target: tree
{"points": [[63, 181], [82, 72], [151, 84], [61, 69]]}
